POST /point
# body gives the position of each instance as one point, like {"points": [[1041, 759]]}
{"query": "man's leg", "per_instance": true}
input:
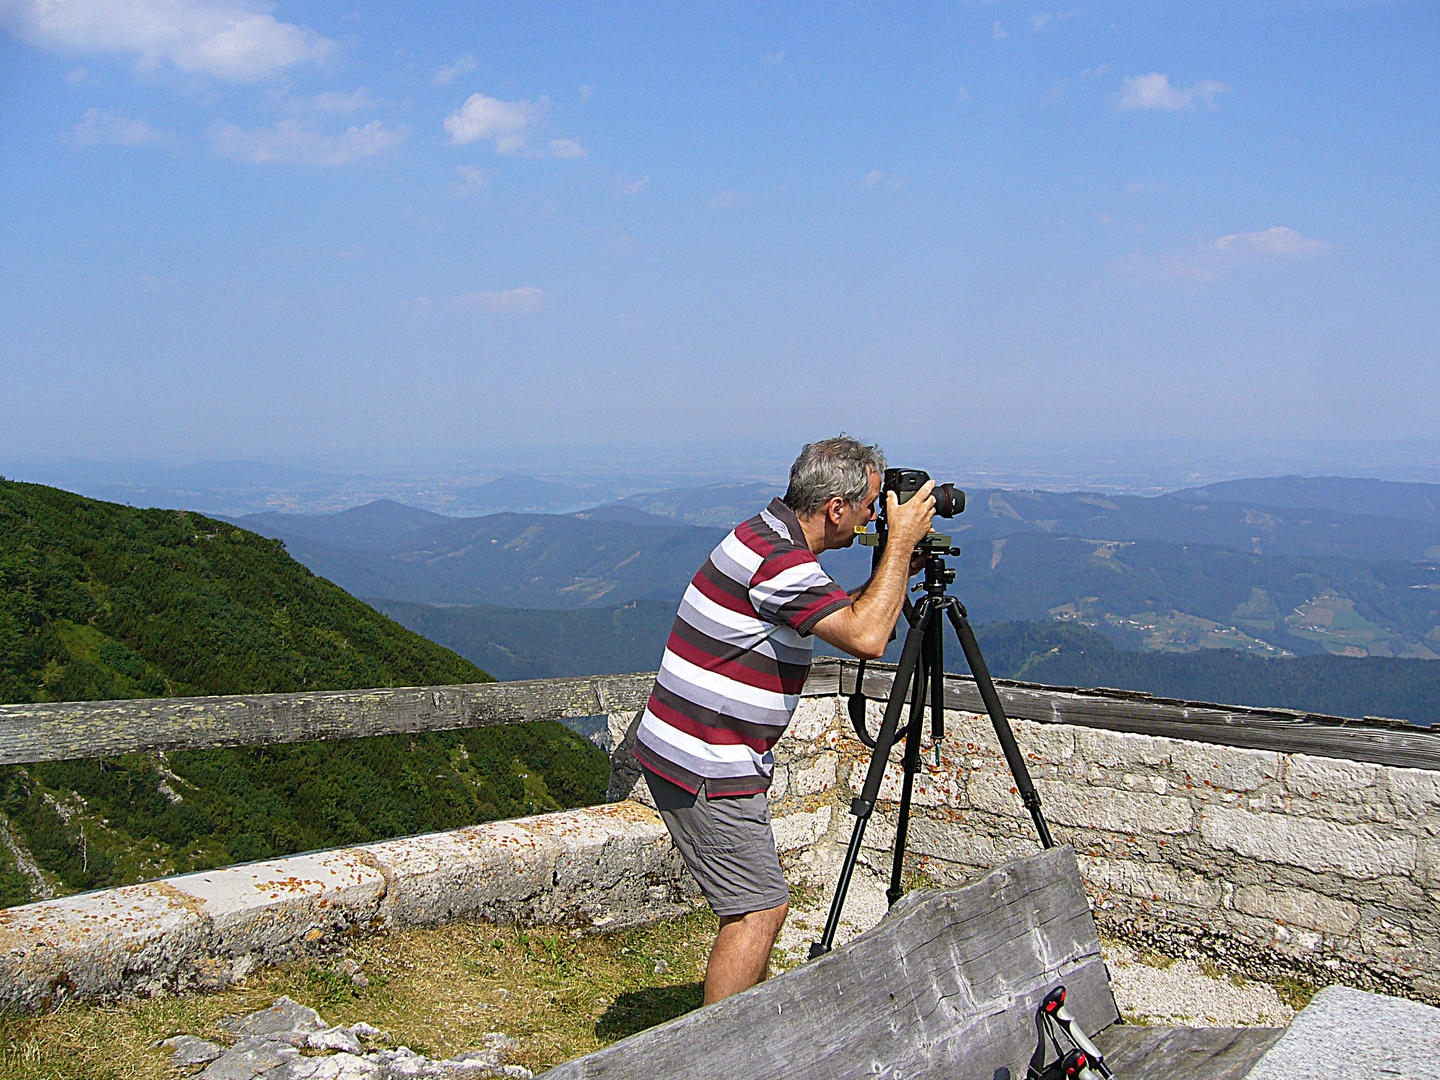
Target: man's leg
{"points": [[741, 956]]}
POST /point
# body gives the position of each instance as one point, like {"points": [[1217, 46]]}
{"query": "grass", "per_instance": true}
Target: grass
{"points": [[437, 990], [1294, 992]]}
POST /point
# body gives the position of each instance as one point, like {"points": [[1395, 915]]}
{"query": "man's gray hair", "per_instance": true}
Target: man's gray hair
{"points": [[839, 466]]}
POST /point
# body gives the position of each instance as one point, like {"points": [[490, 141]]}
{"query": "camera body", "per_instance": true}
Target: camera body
{"points": [[949, 499]]}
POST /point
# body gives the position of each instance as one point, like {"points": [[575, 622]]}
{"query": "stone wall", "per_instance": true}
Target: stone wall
{"points": [[1275, 864], [604, 867]]}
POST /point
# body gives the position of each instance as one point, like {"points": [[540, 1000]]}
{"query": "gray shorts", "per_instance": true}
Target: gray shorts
{"points": [[728, 845]]}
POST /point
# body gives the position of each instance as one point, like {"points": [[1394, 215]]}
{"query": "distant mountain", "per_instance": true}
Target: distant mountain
{"points": [[103, 601], [519, 494], [523, 560], [1250, 527], [374, 526], [1180, 597], [515, 643], [1348, 495], [717, 505]]}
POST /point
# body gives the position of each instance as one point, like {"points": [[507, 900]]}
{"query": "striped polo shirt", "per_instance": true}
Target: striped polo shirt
{"points": [[737, 658]]}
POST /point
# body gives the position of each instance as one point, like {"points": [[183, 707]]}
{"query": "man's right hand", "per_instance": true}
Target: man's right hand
{"points": [[908, 522]]}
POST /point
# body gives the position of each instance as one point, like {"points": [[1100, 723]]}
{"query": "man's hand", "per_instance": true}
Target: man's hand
{"points": [[910, 521], [863, 629]]}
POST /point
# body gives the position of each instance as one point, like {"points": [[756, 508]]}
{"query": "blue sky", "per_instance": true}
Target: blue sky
{"points": [[305, 231]]}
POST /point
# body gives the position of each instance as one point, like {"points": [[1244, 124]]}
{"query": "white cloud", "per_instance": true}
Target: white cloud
{"points": [[725, 200], [776, 57], [875, 178], [105, 127], [227, 39], [626, 186], [1278, 242], [1214, 258], [505, 123], [472, 179], [566, 149], [333, 102], [998, 32], [1154, 91], [447, 74], [1140, 187], [587, 91], [292, 142], [526, 300]]}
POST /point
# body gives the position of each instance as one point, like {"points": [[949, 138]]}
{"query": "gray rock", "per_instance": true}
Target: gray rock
{"points": [[190, 1050], [336, 1038], [284, 1016], [255, 1059], [271, 1040]]}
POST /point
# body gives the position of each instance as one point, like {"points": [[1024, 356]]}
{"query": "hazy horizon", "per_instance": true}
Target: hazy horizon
{"points": [[240, 486]]}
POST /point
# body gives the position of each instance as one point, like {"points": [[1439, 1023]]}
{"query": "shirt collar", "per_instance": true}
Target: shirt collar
{"points": [[789, 520]]}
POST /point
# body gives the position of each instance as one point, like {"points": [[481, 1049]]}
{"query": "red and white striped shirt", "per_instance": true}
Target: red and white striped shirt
{"points": [[737, 658]]}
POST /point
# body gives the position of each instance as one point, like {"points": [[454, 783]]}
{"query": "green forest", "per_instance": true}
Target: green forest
{"points": [[100, 601]]}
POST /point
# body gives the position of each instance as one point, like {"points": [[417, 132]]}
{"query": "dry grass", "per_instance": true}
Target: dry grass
{"points": [[437, 990]]}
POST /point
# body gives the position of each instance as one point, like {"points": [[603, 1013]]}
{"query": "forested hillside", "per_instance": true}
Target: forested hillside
{"points": [[101, 601]]}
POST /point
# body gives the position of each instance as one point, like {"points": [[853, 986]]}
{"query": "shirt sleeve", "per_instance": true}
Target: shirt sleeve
{"points": [[792, 589]]}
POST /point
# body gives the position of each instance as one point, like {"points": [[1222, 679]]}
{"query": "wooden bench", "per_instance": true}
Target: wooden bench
{"points": [[946, 986]]}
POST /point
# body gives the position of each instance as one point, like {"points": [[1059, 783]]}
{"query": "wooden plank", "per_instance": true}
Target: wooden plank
{"points": [[946, 986], [56, 731], [1165, 1053], [1379, 742]]}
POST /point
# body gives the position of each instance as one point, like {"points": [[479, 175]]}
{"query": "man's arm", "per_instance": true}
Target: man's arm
{"points": [[863, 628]]}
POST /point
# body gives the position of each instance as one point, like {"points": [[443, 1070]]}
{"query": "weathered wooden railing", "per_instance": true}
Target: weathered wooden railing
{"points": [[57, 731]]}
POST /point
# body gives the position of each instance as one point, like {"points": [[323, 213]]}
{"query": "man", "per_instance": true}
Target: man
{"points": [[731, 676]]}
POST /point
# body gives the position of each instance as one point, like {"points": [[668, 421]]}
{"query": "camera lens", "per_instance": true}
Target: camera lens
{"points": [[949, 500]]}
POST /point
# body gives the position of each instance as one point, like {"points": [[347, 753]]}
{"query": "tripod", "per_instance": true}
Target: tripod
{"points": [[922, 671]]}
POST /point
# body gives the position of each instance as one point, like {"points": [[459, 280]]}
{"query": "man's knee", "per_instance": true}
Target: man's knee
{"points": [[766, 918], [772, 918]]}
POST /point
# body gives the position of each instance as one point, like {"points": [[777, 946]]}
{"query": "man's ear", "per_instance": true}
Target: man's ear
{"points": [[834, 510]]}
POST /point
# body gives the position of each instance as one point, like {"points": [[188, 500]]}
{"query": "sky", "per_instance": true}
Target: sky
{"points": [[355, 233]]}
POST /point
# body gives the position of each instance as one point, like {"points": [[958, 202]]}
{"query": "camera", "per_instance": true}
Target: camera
{"points": [[949, 499]]}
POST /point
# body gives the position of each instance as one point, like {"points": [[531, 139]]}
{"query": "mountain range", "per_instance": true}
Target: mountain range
{"points": [[1178, 572]]}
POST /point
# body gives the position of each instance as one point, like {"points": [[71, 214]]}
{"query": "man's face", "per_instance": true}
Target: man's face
{"points": [[854, 517]]}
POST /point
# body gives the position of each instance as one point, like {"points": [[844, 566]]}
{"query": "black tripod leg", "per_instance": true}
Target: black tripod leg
{"points": [[911, 764], [865, 803], [1028, 795]]}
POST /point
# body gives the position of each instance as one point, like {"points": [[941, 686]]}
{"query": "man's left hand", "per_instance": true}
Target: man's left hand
{"points": [[917, 561]]}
